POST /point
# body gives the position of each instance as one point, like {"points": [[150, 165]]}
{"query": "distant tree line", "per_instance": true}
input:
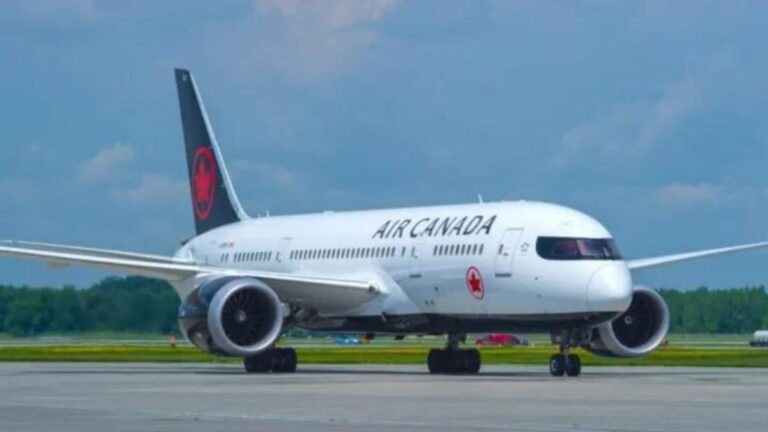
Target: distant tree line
{"points": [[738, 310], [130, 304], [141, 305]]}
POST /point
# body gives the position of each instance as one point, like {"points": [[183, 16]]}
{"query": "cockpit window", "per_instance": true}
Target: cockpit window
{"points": [[564, 248]]}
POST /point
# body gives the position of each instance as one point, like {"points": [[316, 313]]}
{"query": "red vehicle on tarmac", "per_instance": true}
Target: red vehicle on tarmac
{"points": [[501, 339]]}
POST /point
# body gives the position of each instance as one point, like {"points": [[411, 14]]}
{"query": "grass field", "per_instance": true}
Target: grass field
{"points": [[414, 354], [684, 350]]}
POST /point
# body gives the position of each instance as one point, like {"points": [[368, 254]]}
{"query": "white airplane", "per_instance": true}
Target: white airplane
{"points": [[442, 270]]}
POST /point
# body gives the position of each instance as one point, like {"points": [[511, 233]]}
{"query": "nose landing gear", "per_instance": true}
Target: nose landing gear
{"points": [[452, 359], [565, 363]]}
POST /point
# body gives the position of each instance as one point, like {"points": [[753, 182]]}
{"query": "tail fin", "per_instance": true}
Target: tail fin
{"points": [[213, 198]]}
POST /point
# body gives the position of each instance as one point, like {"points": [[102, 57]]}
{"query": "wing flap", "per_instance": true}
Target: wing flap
{"points": [[644, 263]]}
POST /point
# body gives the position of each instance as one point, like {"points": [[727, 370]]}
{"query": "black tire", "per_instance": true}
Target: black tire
{"points": [[260, 363], [447, 361], [474, 361], [290, 360], [557, 365], [284, 360], [573, 365], [460, 361], [435, 361]]}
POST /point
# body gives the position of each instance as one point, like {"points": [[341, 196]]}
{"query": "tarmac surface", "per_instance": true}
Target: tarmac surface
{"points": [[202, 397]]}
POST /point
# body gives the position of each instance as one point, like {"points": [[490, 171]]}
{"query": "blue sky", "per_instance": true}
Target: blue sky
{"points": [[648, 115]]}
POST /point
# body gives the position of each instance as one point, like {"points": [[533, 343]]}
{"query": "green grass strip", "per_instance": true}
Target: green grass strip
{"points": [[377, 355]]}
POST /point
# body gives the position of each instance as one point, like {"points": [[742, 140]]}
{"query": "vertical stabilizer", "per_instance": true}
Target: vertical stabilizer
{"points": [[214, 202]]}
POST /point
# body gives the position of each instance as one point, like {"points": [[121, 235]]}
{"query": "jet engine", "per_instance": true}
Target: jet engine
{"points": [[636, 332], [232, 316]]}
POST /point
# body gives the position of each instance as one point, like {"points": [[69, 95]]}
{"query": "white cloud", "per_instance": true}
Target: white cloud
{"points": [[152, 188], [633, 129], [101, 166], [108, 168], [312, 40]]}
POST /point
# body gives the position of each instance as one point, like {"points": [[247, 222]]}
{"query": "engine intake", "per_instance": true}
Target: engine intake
{"points": [[636, 332], [234, 316]]}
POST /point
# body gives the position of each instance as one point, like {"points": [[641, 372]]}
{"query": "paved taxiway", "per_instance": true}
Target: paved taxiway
{"points": [[170, 397]]}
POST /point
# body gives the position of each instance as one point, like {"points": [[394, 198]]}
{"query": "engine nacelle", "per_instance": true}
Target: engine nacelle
{"points": [[636, 332], [232, 316]]}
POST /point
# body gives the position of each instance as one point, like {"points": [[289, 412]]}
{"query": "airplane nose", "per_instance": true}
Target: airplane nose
{"points": [[610, 288]]}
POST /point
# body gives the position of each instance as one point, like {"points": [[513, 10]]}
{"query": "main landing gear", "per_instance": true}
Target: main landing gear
{"points": [[452, 359], [272, 360], [565, 363]]}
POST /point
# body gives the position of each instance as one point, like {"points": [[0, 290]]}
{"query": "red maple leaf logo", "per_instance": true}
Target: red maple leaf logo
{"points": [[203, 182], [475, 283]]}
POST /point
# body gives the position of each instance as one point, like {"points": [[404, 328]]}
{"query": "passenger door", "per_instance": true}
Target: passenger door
{"points": [[505, 252]]}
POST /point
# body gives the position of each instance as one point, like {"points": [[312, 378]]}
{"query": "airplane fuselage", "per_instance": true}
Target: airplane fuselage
{"points": [[474, 267]]}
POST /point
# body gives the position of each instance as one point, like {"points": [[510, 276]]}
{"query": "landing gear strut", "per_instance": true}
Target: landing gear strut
{"points": [[272, 360], [452, 359], [565, 363]]}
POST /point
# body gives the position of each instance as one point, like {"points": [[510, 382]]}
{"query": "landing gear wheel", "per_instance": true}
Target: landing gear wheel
{"points": [[452, 361], [275, 360], [557, 365], [260, 363], [473, 361], [572, 365], [284, 360], [435, 361]]}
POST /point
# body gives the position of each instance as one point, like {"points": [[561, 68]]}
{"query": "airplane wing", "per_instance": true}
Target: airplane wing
{"points": [[322, 293], [106, 253], [644, 263]]}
